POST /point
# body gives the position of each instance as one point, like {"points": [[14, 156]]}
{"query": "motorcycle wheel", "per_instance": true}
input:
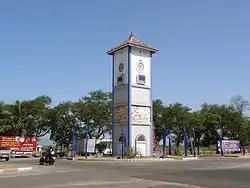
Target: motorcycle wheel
{"points": [[41, 161], [51, 161]]}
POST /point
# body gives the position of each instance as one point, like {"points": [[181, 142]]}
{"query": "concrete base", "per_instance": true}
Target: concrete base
{"points": [[190, 158]]}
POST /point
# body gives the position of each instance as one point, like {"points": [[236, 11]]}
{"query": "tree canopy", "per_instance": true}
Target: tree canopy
{"points": [[37, 117]]}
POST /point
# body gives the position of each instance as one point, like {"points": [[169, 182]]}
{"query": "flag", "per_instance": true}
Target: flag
{"points": [[221, 149], [194, 135], [185, 142], [140, 79], [164, 138], [74, 142], [169, 143], [123, 140]]}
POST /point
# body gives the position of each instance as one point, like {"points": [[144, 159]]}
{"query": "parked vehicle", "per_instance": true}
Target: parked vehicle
{"points": [[4, 153]]}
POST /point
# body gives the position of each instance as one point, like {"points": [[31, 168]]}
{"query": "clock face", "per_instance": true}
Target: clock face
{"points": [[140, 67], [121, 67]]}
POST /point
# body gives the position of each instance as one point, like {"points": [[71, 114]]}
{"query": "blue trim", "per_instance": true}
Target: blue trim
{"points": [[140, 87], [138, 105], [113, 104], [129, 98], [151, 107], [139, 124]]}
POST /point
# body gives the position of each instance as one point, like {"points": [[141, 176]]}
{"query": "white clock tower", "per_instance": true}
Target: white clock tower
{"points": [[132, 97]]}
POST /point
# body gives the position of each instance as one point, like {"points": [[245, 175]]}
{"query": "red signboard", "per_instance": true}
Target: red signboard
{"points": [[18, 144]]}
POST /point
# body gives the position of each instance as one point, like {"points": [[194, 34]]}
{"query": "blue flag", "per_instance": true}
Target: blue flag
{"points": [[74, 142], [185, 142], [194, 135], [221, 149], [164, 139], [169, 143], [122, 143]]}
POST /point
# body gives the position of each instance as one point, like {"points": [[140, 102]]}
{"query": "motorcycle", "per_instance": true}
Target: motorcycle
{"points": [[49, 160]]}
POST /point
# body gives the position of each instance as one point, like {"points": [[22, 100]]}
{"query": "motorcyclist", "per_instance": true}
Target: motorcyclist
{"points": [[49, 153], [52, 152]]}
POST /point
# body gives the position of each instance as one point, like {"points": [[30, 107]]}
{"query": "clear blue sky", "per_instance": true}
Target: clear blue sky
{"points": [[57, 48]]}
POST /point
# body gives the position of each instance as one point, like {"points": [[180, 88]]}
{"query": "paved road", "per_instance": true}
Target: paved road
{"points": [[209, 172]]}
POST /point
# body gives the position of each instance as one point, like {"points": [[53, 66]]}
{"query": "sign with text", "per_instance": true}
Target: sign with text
{"points": [[19, 144], [229, 145]]}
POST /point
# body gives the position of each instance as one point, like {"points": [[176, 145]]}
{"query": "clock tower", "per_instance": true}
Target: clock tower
{"points": [[132, 97]]}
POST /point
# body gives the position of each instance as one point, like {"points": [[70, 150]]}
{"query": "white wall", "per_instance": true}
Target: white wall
{"points": [[117, 132], [121, 95], [121, 56], [141, 96], [142, 130], [138, 55]]}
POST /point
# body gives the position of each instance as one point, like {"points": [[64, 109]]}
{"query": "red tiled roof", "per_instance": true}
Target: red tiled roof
{"points": [[132, 41]]}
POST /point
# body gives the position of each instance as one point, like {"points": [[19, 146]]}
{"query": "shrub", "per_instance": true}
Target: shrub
{"points": [[101, 147], [132, 152]]}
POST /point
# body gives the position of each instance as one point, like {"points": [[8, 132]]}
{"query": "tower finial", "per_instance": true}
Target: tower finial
{"points": [[131, 36]]}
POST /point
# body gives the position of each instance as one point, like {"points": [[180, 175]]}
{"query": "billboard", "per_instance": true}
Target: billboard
{"points": [[19, 144], [229, 145]]}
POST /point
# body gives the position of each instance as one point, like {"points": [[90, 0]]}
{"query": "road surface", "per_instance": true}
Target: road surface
{"points": [[207, 172]]}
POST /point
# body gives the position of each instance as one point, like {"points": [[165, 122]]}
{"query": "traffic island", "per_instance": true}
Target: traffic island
{"points": [[188, 158], [13, 168], [168, 158]]}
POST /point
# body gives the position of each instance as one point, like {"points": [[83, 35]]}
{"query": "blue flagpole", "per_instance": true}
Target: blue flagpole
{"points": [[74, 142], [164, 140], [194, 135], [185, 143], [221, 149], [86, 142], [169, 143], [243, 146], [122, 143]]}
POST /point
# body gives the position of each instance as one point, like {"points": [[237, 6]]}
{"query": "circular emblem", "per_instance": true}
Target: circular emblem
{"points": [[121, 67], [140, 67]]}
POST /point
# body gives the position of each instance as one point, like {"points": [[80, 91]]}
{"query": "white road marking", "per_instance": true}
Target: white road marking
{"points": [[132, 182]]}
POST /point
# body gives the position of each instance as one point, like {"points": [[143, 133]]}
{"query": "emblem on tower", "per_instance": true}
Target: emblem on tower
{"points": [[121, 77], [121, 67], [140, 79], [140, 66]]}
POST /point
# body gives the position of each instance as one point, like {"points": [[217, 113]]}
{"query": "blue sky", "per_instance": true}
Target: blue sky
{"points": [[57, 48]]}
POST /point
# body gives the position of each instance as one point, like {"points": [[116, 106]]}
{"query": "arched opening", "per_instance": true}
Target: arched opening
{"points": [[120, 139], [119, 144], [141, 138], [141, 145]]}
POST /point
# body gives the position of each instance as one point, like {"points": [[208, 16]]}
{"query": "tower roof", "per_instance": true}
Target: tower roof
{"points": [[132, 41]]}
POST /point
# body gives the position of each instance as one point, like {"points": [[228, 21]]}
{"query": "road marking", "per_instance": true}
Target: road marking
{"points": [[123, 184], [61, 171], [209, 168]]}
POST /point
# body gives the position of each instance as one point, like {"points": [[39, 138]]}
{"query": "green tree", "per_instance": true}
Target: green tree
{"points": [[62, 121], [21, 118], [158, 118], [95, 111], [178, 116], [41, 112], [5, 124], [196, 121]]}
